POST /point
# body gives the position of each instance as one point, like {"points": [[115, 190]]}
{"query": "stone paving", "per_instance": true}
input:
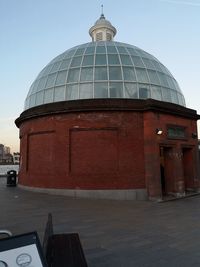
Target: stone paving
{"points": [[113, 233]]}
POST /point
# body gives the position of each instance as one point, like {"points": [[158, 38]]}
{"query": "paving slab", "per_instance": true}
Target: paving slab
{"points": [[113, 233]]}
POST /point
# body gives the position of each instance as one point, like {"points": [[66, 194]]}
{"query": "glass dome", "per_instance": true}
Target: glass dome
{"points": [[104, 69]]}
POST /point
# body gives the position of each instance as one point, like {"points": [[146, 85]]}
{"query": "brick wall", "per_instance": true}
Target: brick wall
{"points": [[109, 144], [101, 150]]}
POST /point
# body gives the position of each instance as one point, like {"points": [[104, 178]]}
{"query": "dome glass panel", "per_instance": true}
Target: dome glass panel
{"points": [[105, 69]]}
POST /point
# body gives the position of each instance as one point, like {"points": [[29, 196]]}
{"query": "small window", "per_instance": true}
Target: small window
{"points": [[115, 73], [99, 36], [65, 64], [39, 98], [42, 83], [100, 50], [130, 90], [116, 90], [86, 91], [88, 60], [129, 74], [100, 59], [61, 78], [48, 95], [153, 76], [73, 75], [113, 59], [101, 90], [51, 80], [108, 36], [76, 61], [101, 73], [59, 93], [126, 60], [176, 132], [89, 50], [72, 92], [142, 75], [143, 93], [87, 74], [156, 92]]}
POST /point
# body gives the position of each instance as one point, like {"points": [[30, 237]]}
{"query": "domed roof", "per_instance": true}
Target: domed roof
{"points": [[103, 21], [105, 69]]}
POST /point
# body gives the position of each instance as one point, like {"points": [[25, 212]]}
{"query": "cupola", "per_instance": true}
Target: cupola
{"points": [[102, 30]]}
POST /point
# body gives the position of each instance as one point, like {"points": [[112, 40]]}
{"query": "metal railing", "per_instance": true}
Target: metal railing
{"points": [[6, 233]]}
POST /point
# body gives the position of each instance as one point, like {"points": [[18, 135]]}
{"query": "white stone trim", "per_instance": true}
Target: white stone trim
{"points": [[119, 194]]}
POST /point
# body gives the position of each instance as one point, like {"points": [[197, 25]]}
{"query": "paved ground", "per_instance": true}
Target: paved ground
{"points": [[113, 233]]}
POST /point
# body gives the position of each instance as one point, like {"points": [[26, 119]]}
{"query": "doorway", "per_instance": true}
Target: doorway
{"points": [[188, 171], [166, 170]]}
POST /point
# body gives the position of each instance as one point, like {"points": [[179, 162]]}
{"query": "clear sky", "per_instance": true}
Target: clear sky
{"points": [[33, 32]]}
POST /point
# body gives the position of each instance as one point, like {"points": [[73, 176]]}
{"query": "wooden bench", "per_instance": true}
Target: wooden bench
{"points": [[62, 250]]}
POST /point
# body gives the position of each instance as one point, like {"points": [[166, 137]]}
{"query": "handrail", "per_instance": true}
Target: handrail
{"points": [[5, 232]]}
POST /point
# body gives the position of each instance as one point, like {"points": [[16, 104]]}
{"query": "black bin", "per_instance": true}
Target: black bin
{"points": [[11, 178]]}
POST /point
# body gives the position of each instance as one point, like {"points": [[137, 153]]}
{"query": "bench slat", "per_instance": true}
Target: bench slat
{"points": [[65, 250]]}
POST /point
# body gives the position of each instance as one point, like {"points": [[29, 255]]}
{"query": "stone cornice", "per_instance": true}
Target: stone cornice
{"points": [[92, 105]]}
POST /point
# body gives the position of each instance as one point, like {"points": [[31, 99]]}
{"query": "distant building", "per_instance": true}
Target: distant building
{"points": [[106, 119], [1, 152], [5, 155], [7, 150], [16, 158]]}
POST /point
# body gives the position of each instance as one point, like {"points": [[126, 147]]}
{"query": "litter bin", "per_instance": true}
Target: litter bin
{"points": [[11, 178]]}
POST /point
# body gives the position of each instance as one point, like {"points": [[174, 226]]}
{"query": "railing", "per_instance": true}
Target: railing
{"points": [[6, 233]]}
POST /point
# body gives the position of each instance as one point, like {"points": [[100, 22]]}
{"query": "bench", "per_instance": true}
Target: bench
{"points": [[62, 250]]}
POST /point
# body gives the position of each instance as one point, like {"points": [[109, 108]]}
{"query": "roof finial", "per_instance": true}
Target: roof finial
{"points": [[102, 15]]}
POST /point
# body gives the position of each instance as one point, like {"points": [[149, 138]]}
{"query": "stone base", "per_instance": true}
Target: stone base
{"points": [[125, 194]]}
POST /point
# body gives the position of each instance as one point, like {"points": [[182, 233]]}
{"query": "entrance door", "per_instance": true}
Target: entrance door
{"points": [[166, 170], [188, 170]]}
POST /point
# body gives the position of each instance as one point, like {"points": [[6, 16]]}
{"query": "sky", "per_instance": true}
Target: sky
{"points": [[33, 32]]}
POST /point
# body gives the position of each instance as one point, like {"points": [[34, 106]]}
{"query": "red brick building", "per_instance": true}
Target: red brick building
{"points": [[108, 120]]}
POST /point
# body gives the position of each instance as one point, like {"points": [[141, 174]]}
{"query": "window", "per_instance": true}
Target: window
{"points": [[108, 36], [100, 59], [73, 75], [76, 61], [156, 92], [115, 73], [64, 64], [143, 93], [48, 95], [72, 91], [51, 80], [129, 74], [88, 60], [100, 50], [101, 90], [86, 91], [153, 76], [61, 78], [99, 36], [59, 93], [87, 74], [142, 75], [113, 59], [177, 132], [101, 73], [131, 90], [116, 90]]}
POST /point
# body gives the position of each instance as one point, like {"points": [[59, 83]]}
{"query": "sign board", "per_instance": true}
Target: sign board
{"points": [[21, 251]]}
